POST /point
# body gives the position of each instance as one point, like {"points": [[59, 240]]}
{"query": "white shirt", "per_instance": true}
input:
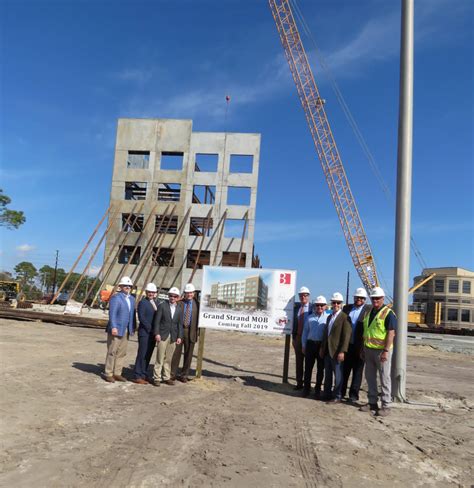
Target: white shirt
{"points": [[331, 322], [127, 297], [173, 309]]}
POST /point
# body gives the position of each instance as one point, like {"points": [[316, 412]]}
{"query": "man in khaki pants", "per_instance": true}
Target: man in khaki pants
{"points": [[122, 323], [168, 331]]}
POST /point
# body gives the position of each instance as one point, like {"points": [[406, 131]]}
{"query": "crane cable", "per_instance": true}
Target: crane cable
{"points": [[353, 124]]}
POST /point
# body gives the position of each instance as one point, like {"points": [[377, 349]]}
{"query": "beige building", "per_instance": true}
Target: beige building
{"points": [[180, 200], [453, 288], [250, 293]]}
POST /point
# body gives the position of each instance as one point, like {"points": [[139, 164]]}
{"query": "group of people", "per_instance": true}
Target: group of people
{"points": [[341, 342], [169, 325]]}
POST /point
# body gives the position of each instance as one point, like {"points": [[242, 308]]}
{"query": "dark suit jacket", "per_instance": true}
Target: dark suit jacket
{"points": [[193, 328], [338, 339], [166, 326], [359, 330], [146, 314], [296, 309]]}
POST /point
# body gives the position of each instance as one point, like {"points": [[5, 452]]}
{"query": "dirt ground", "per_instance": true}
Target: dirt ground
{"points": [[239, 426]]}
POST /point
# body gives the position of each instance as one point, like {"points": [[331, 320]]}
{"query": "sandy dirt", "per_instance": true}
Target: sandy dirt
{"points": [[239, 426]]}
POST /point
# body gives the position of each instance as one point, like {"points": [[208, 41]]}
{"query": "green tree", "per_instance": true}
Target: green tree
{"points": [[11, 219], [25, 272]]}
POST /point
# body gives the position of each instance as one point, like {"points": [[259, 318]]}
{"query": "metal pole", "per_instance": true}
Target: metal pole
{"points": [[347, 286], [55, 272], [403, 215]]}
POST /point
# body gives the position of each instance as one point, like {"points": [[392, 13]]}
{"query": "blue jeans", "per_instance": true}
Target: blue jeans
{"points": [[333, 367]]}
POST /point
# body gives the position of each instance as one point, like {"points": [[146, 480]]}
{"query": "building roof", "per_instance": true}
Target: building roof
{"points": [[449, 271]]}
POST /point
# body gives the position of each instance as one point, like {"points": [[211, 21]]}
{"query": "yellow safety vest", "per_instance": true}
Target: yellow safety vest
{"points": [[375, 332]]}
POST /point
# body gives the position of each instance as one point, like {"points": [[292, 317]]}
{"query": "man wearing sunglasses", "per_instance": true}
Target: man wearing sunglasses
{"points": [[301, 312], [168, 331], [313, 333], [334, 347], [122, 324], [353, 361], [379, 331]]}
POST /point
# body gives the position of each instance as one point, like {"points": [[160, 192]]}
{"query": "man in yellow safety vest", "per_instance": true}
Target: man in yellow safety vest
{"points": [[379, 331]]}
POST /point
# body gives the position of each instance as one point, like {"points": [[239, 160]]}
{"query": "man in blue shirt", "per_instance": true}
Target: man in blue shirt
{"points": [[313, 333], [353, 362]]}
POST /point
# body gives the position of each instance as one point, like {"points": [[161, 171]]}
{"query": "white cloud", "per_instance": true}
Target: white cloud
{"points": [[25, 248]]}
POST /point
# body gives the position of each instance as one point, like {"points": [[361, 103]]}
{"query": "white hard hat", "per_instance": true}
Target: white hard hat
{"points": [[360, 292], [151, 287], [125, 280], [303, 289], [189, 288], [377, 292], [174, 291], [337, 297], [320, 300]]}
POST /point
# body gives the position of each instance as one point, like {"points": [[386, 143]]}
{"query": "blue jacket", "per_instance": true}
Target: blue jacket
{"points": [[120, 316], [146, 314]]}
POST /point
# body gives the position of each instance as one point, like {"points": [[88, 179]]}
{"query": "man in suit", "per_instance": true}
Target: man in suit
{"points": [[190, 308], [168, 332], [146, 340], [353, 361], [301, 312], [122, 324], [333, 348]]}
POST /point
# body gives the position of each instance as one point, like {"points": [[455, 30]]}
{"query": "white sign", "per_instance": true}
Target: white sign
{"points": [[247, 299]]}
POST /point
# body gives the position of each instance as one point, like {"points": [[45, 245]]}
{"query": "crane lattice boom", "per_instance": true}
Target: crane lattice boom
{"points": [[326, 148]]}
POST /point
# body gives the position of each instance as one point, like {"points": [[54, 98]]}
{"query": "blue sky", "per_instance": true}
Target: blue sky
{"points": [[71, 68]]}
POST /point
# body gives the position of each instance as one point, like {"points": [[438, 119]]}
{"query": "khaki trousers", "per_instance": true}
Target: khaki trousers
{"points": [[116, 352], [164, 355]]}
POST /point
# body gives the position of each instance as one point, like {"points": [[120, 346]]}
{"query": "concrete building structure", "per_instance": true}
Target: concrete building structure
{"points": [[190, 197], [453, 288], [250, 294]]}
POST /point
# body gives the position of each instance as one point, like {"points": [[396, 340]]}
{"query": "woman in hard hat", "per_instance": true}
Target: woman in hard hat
{"points": [[146, 341]]}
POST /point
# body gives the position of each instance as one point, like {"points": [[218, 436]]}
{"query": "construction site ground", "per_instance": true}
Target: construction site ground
{"points": [[238, 426]]}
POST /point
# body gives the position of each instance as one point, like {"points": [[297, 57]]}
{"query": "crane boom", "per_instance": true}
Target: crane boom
{"points": [[323, 138]]}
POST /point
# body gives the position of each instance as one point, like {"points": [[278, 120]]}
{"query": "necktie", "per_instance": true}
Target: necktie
{"points": [[187, 315], [300, 321]]}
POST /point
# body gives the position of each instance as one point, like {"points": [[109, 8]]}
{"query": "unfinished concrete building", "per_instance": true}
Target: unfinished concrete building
{"points": [[180, 200]]}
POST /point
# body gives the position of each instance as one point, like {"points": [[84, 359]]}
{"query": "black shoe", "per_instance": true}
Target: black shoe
{"points": [[369, 407], [298, 387], [317, 395]]}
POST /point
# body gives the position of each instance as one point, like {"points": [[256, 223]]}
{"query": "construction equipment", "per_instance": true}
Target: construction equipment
{"points": [[10, 290], [313, 106]]}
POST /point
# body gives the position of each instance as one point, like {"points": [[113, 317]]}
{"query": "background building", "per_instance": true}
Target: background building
{"points": [[453, 289], [250, 293], [189, 197]]}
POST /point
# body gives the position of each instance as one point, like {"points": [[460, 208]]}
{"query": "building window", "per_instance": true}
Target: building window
{"points": [[453, 300], [465, 316], [138, 159], [192, 259], [206, 162], [169, 224], [453, 314], [163, 256], [232, 259], [241, 163], [465, 301], [238, 195], [169, 192], [132, 222], [129, 254], [172, 160], [204, 194], [453, 286], [135, 190], [466, 287], [200, 225], [439, 286]]}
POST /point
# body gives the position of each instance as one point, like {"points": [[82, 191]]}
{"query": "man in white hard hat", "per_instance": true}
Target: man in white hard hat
{"points": [[334, 347], [122, 324], [190, 308], [379, 331], [313, 333], [353, 361], [168, 331], [146, 341], [301, 312]]}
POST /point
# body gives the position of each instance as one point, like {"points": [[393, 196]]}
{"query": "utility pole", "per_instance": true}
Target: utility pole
{"points": [[347, 287], [403, 213], [55, 272]]}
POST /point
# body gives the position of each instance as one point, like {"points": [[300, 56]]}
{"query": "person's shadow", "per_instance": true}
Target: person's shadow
{"points": [[98, 369]]}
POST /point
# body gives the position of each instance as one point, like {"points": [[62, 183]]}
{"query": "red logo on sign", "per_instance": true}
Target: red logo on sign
{"points": [[285, 278]]}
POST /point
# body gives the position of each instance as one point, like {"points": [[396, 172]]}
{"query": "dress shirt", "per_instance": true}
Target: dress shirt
{"points": [[172, 309], [354, 316], [127, 298], [331, 322], [314, 328]]}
